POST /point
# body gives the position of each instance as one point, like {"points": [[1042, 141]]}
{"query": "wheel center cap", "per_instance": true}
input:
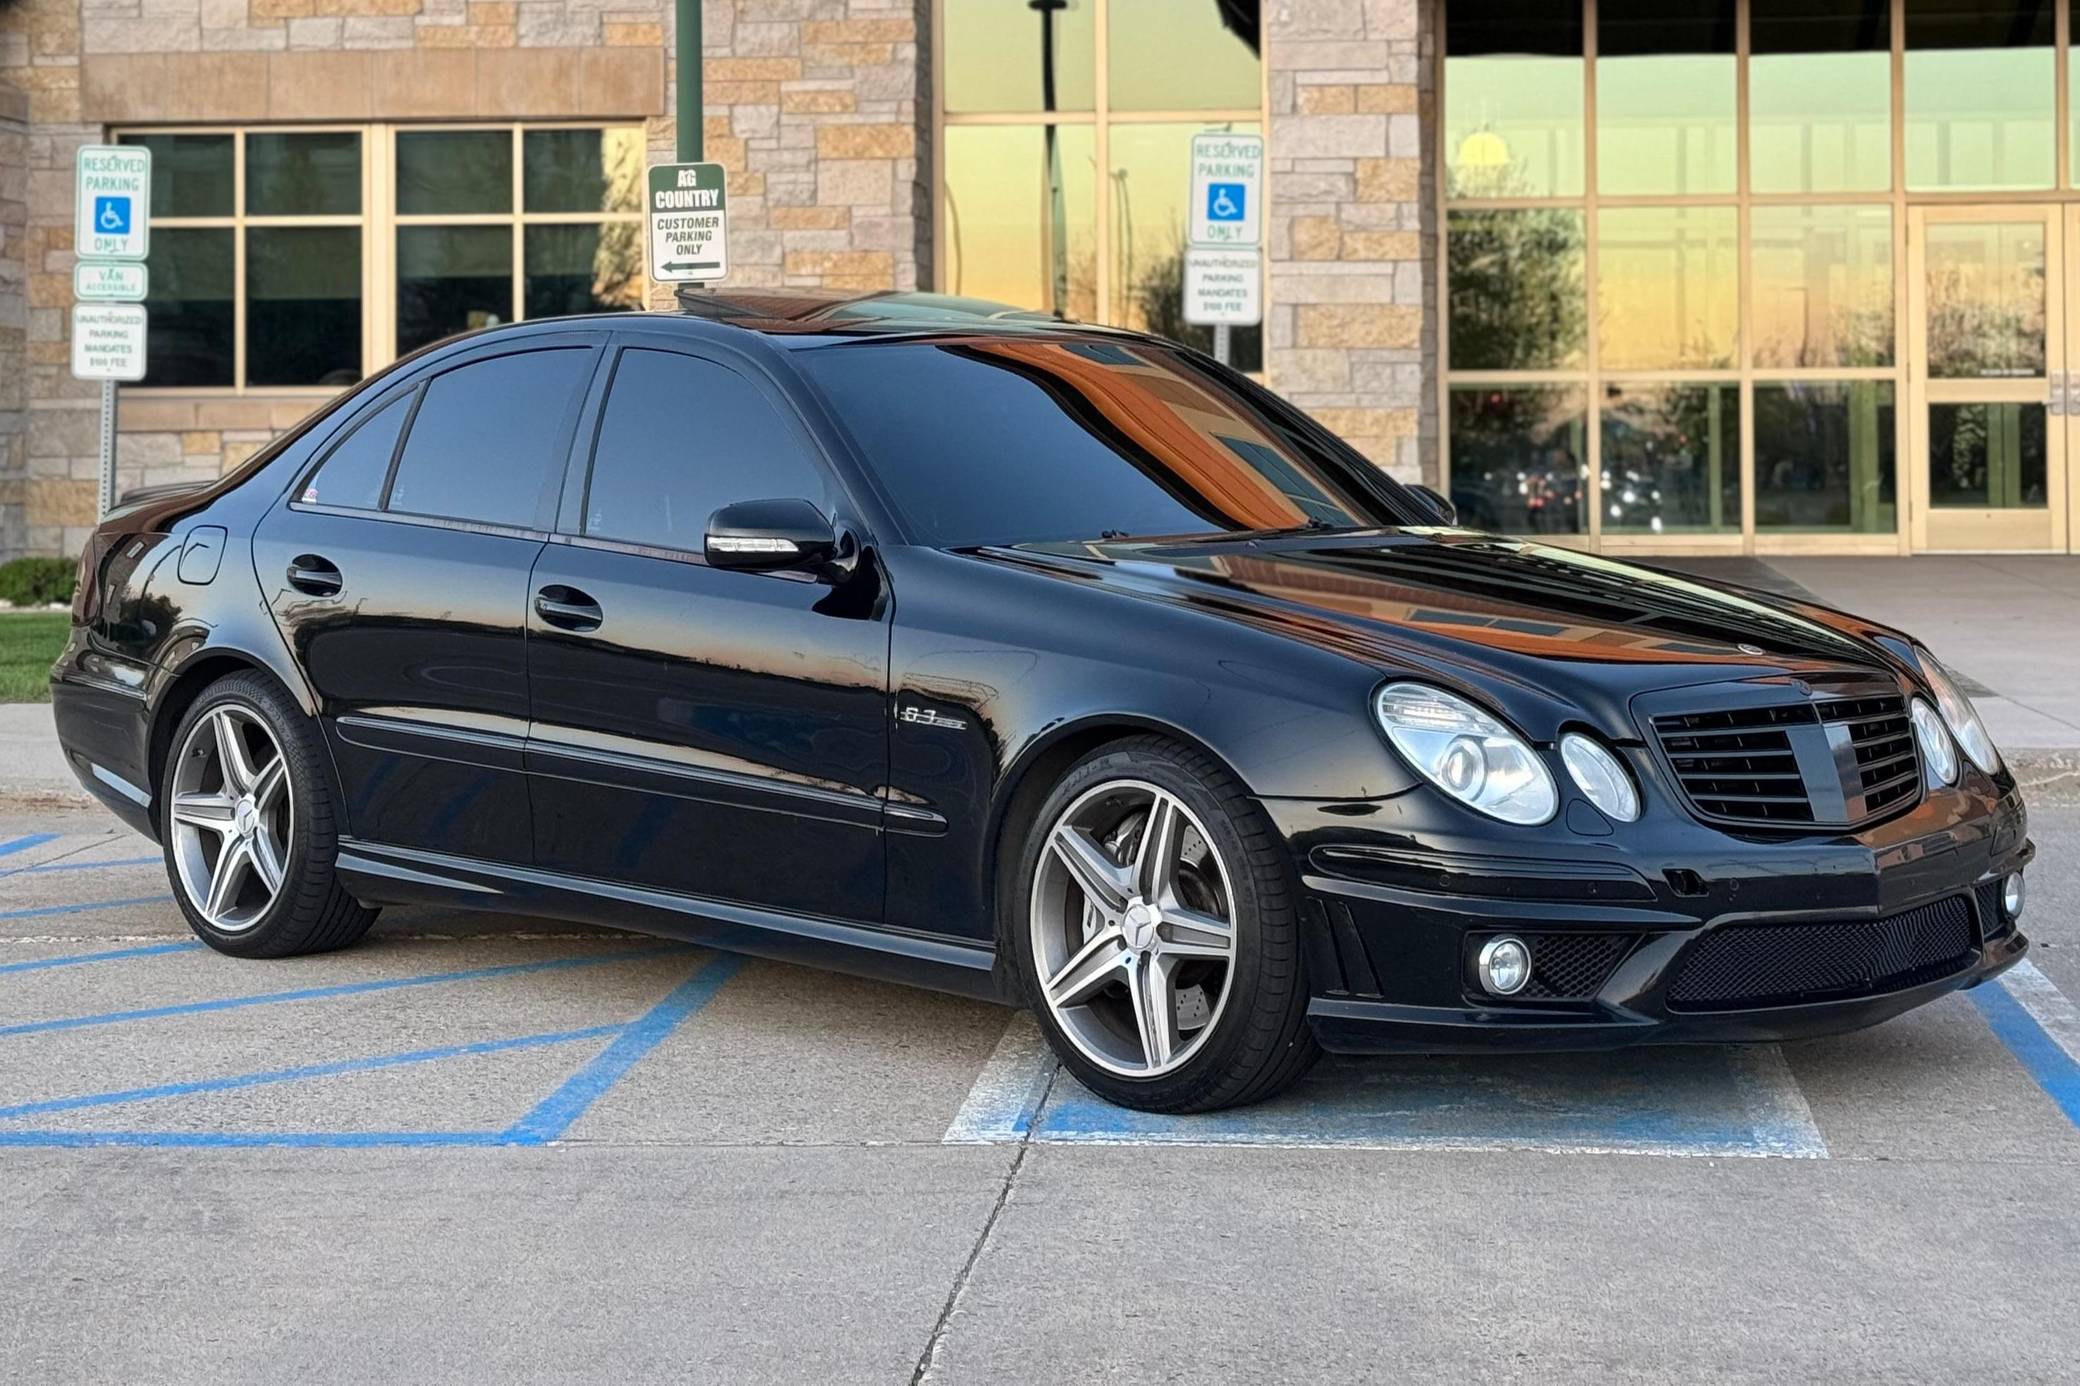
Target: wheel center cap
{"points": [[246, 817], [1139, 925]]}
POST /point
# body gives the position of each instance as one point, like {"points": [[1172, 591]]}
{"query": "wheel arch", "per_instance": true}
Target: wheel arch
{"points": [[185, 680], [1034, 773]]}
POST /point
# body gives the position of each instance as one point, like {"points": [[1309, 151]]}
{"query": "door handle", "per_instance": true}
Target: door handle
{"points": [[315, 576], [567, 608]]}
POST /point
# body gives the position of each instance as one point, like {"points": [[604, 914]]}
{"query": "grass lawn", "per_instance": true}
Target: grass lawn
{"points": [[29, 643]]}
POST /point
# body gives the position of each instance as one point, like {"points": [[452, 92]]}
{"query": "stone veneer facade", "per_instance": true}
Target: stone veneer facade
{"points": [[820, 109]]}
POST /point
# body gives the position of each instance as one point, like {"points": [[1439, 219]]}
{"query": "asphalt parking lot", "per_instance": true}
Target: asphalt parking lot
{"points": [[482, 1149]]}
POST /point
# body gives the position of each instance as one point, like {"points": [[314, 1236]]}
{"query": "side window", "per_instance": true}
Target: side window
{"points": [[487, 435], [354, 471], [681, 438]]}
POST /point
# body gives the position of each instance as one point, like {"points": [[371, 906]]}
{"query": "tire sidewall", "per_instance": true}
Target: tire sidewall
{"points": [[1249, 909], [255, 696]]}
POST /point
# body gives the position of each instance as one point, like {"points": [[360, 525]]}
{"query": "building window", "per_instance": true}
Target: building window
{"points": [[1064, 151], [304, 258]]}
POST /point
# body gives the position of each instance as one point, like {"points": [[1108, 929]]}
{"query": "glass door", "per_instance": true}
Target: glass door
{"points": [[1987, 378]]}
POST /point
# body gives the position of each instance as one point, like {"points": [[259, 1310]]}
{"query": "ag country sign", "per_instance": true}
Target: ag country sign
{"points": [[689, 223], [111, 220]]}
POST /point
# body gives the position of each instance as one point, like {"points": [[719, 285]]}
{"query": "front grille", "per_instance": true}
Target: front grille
{"points": [[1888, 768], [1739, 966], [1572, 967], [1838, 762], [1740, 764]]}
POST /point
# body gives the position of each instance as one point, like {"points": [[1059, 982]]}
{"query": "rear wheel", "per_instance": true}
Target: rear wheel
{"points": [[1157, 933], [249, 827]]}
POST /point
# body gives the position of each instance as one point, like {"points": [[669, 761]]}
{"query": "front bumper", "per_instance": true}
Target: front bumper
{"points": [[1669, 928]]}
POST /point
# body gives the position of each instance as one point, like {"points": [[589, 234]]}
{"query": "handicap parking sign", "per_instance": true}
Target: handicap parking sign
{"points": [[1225, 201], [112, 216], [1227, 174]]}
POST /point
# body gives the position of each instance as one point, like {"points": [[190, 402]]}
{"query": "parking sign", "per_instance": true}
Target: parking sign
{"points": [[1227, 190], [112, 219]]}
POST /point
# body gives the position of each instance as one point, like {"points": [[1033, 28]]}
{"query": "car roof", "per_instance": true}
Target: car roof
{"points": [[794, 319]]}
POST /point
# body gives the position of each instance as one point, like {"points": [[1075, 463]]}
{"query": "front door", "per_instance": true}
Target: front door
{"points": [[1988, 378]]}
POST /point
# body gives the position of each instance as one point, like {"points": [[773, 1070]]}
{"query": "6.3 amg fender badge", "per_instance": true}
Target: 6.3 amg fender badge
{"points": [[925, 717]]}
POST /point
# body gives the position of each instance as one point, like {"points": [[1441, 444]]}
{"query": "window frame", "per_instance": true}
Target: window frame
{"points": [[1102, 119], [378, 222]]}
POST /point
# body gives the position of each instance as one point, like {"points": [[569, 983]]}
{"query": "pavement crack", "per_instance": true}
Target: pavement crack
{"points": [[928, 1360]]}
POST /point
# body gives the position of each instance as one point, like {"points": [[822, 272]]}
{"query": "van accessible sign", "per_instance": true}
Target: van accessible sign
{"points": [[111, 219], [689, 223]]}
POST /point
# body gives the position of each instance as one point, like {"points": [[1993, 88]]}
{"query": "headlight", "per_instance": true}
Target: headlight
{"points": [[1599, 775], [1959, 714], [1938, 751], [1467, 753]]}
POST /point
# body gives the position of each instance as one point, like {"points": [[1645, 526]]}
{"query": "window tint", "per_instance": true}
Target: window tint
{"points": [[487, 436], [1007, 441], [354, 472], [683, 437]]}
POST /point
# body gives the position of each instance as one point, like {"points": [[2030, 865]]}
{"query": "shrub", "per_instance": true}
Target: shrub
{"points": [[36, 581]]}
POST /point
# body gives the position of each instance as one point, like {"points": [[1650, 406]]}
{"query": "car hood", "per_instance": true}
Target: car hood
{"points": [[1556, 635]]}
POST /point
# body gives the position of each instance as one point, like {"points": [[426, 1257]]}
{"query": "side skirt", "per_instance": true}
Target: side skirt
{"points": [[378, 874]]}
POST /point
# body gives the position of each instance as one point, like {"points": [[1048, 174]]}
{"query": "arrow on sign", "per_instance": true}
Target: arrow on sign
{"points": [[691, 264]]}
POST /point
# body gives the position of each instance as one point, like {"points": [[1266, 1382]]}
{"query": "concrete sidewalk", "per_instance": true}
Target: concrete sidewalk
{"points": [[2008, 627]]}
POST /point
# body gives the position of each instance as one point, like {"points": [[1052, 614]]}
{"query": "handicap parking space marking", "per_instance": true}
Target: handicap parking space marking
{"points": [[70, 865], [78, 1022], [106, 955], [547, 1121], [23, 844], [1733, 1101], [2041, 1027], [84, 907]]}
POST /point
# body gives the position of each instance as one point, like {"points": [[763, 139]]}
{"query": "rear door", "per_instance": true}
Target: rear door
{"points": [[398, 572], [696, 731]]}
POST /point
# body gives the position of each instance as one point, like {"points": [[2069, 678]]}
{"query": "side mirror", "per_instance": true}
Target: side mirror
{"points": [[1435, 499], [777, 536]]}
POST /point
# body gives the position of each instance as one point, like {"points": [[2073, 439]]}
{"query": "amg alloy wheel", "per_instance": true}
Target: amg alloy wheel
{"points": [[1155, 930], [232, 817], [249, 826]]}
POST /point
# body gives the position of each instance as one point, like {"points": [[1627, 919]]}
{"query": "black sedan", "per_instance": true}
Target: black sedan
{"points": [[1037, 662]]}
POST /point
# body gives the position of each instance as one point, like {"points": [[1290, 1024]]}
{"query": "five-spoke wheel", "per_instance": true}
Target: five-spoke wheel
{"points": [[231, 817], [1132, 930]]}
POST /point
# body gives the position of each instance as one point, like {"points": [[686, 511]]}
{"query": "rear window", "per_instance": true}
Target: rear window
{"points": [[487, 437], [1007, 440]]}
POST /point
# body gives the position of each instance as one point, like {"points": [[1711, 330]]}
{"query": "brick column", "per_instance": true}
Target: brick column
{"points": [[14, 319], [1352, 334], [819, 111]]}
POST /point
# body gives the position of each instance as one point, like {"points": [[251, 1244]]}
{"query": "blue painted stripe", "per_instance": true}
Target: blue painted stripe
{"points": [[42, 910], [82, 865], [292, 1075], [23, 844], [2047, 1061], [75, 959], [80, 1022], [554, 1114], [246, 1140]]}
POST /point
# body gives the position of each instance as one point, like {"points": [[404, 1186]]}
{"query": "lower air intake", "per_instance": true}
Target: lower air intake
{"points": [[1740, 966]]}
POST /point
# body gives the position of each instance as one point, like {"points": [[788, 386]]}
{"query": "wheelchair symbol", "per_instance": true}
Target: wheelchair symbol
{"points": [[112, 215], [1224, 201]]}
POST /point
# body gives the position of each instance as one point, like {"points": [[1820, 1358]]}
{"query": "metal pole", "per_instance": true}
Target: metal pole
{"points": [[1220, 343], [688, 111], [108, 446]]}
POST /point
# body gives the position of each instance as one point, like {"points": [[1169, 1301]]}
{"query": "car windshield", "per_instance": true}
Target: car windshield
{"points": [[1013, 440]]}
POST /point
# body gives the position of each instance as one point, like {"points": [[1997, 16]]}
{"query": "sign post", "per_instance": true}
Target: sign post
{"points": [[1223, 267], [688, 209], [111, 233]]}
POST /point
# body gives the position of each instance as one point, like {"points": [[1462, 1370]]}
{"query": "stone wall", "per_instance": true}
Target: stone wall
{"points": [[1351, 335], [14, 316]]}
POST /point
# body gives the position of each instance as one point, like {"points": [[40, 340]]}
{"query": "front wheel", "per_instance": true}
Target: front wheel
{"points": [[1157, 934], [249, 828]]}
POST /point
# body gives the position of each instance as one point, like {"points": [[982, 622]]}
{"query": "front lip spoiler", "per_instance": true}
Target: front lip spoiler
{"points": [[1351, 1025]]}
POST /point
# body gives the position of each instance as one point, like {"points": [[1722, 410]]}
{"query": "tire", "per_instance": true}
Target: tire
{"points": [[288, 824], [1233, 1026]]}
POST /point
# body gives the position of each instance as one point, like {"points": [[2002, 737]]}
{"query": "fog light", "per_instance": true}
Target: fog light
{"points": [[1505, 965], [2012, 897]]}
